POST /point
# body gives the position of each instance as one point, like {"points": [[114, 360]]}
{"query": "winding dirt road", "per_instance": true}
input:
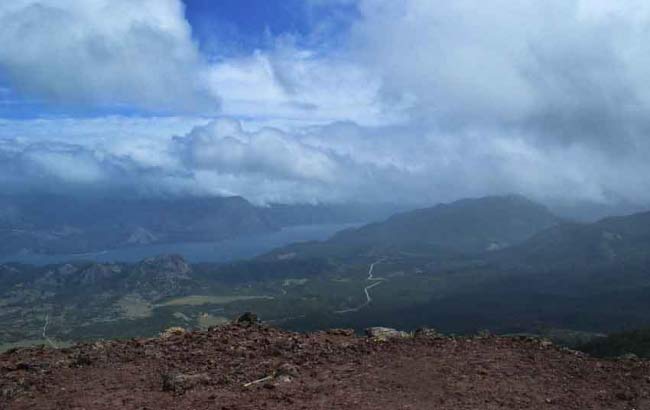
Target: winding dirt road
{"points": [[376, 282], [47, 322]]}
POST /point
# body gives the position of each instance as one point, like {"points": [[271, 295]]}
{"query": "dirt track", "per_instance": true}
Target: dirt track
{"points": [[207, 370]]}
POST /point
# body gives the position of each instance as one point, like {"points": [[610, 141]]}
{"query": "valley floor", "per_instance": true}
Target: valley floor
{"points": [[252, 367]]}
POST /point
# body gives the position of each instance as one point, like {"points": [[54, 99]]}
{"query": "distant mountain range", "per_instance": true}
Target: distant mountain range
{"points": [[58, 224], [503, 263], [52, 224], [509, 231]]}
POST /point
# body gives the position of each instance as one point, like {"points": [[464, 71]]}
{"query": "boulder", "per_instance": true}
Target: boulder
{"points": [[385, 333], [172, 331], [427, 332], [545, 343], [628, 356], [248, 318]]}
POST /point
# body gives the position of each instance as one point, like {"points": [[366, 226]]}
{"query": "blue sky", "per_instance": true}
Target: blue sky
{"points": [[231, 27]]}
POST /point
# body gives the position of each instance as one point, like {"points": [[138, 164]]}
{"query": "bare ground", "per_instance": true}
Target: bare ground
{"points": [[324, 370]]}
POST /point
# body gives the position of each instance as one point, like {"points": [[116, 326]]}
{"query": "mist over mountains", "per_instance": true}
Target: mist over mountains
{"points": [[50, 224]]}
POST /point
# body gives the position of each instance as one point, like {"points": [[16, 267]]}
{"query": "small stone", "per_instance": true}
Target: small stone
{"points": [[288, 369], [179, 383]]}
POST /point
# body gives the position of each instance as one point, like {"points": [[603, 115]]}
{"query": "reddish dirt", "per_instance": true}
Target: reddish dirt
{"points": [[207, 370]]}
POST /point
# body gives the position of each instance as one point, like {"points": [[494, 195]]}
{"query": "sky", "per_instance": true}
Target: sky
{"points": [[417, 101]]}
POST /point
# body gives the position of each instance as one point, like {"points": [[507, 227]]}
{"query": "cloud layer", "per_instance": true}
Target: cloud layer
{"points": [[424, 101], [337, 162]]}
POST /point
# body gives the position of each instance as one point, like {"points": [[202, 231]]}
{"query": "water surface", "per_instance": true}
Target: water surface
{"points": [[222, 251]]}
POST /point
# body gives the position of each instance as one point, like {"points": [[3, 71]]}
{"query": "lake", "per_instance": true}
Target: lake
{"points": [[242, 247]]}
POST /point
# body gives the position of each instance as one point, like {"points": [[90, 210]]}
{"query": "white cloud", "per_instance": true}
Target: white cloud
{"points": [[104, 52], [224, 147], [560, 70], [290, 83], [455, 58]]}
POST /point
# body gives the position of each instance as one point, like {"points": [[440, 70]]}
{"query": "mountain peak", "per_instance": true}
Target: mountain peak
{"points": [[168, 263]]}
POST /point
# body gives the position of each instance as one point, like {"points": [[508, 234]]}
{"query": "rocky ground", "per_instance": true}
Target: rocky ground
{"points": [[251, 366]]}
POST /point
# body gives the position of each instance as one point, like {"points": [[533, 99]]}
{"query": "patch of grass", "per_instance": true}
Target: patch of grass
{"points": [[292, 282], [182, 316], [134, 307], [31, 343], [197, 300], [206, 320]]}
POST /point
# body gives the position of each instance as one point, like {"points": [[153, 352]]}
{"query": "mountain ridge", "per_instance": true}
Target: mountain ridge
{"points": [[611, 240], [53, 224], [465, 226]]}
